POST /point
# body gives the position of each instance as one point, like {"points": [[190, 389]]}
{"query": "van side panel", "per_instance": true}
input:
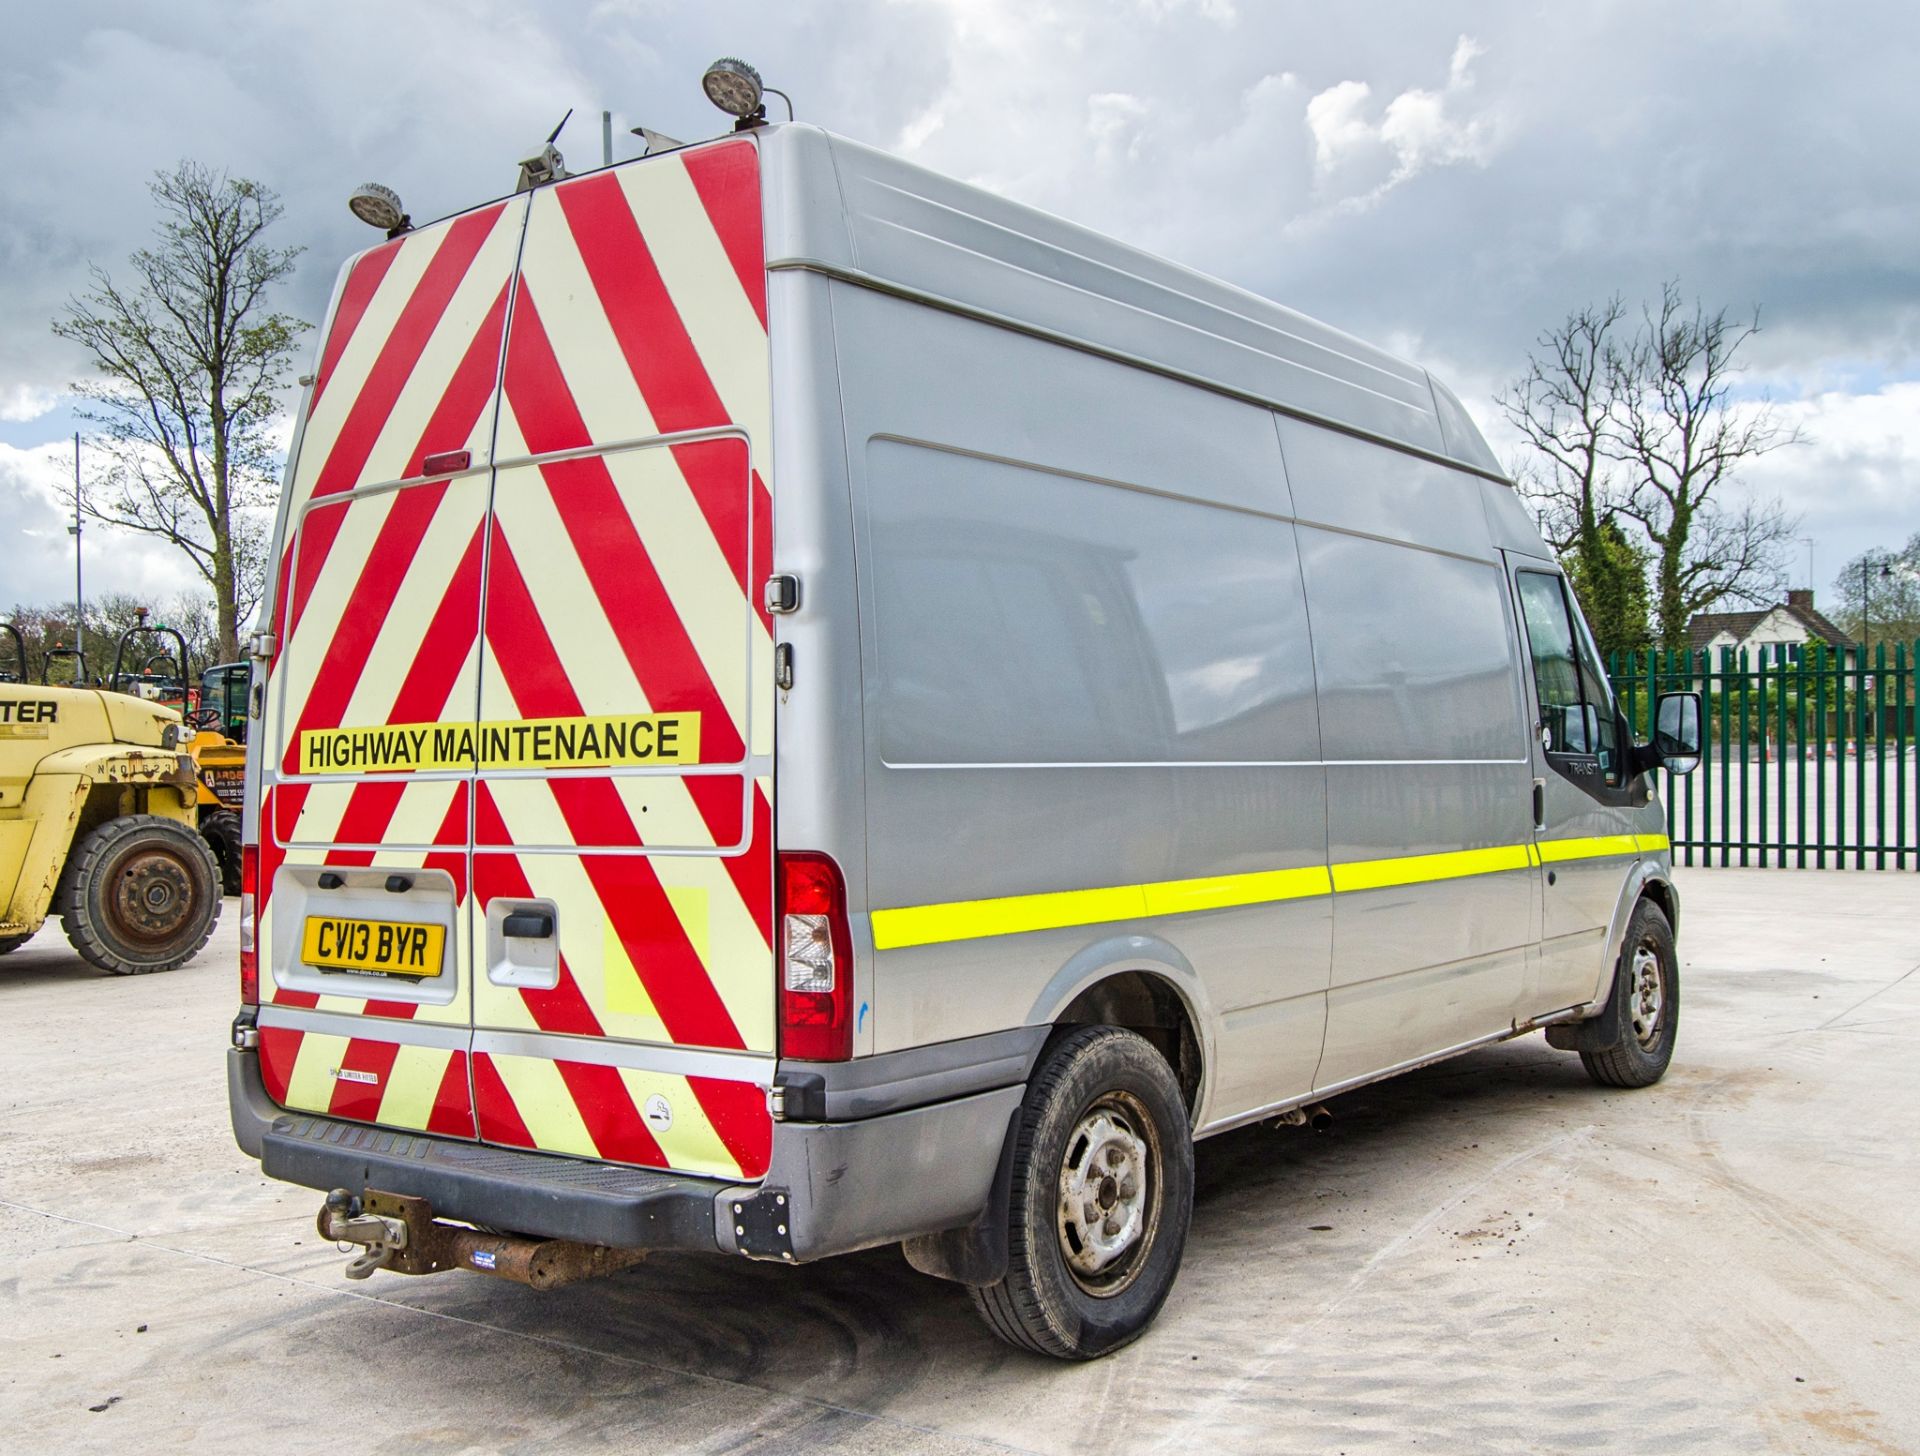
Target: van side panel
{"points": [[1087, 670], [377, 607], [1426, 755]]}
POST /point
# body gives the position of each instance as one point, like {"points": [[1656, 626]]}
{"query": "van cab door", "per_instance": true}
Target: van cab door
{"points": [[1582, 788]]}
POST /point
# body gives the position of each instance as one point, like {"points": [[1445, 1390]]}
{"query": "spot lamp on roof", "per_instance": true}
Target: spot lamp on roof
{"points": [[379, 207], [736, 88]]}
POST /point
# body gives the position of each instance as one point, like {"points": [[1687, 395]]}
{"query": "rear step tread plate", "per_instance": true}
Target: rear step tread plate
{"points": [[525, 1193]]}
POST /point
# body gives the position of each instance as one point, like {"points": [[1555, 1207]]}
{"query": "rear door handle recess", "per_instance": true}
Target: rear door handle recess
{"points": [[527, 925], [1539, 803]]}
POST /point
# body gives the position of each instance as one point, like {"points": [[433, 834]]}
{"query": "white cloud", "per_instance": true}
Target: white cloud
{"points": [[1339, 130], [1855, 478], [1417, 130], [1116, 121], [40, 551], [1220, 12], [21, 402]]}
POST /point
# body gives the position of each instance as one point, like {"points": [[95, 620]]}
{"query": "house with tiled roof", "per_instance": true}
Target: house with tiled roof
{"points": [[1792, 623]]}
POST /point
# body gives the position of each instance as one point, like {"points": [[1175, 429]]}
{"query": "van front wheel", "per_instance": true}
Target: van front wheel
{"points": [[1101, 1194], [1646, 1005]]}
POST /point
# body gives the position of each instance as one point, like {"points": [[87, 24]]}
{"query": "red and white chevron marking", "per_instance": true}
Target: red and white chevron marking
{"points": [[619, 580]]}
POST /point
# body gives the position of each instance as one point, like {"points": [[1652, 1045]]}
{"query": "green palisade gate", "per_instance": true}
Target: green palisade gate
{"points": [[1809, 754]]}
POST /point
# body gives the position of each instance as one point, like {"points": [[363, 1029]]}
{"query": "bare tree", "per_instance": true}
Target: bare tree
{"points": [[1684, 438], [191, 360], [1564, 406]]}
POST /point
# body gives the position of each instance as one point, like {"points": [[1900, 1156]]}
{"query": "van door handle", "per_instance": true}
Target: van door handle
{"points": [[1539, 803], [527, 925]]}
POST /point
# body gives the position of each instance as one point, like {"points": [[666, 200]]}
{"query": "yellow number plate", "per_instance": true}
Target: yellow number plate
{"points": [[379, 947]]}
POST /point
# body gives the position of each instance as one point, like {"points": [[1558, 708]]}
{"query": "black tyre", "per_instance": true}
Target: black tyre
{"points": [[140, 893], [1646, 1005], [221, 830], [12, 942], [1102, 1192]]}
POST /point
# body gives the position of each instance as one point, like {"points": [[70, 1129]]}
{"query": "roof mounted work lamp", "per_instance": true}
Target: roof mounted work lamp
{"points": [[736, 88], [380, 207]]}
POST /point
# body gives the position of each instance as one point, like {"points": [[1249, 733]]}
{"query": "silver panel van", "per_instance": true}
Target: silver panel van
{"points": [[805, 705]]}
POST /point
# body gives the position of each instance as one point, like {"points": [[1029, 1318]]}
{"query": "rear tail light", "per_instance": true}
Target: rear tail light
{"points": [[816, 960], [249, 951]]}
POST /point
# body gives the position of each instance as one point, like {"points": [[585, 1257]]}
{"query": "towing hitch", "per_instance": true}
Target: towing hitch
{"points": [[399, 1233]]}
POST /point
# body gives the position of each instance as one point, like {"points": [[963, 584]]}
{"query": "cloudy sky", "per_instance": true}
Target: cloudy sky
{"points": [[1446, 180]]}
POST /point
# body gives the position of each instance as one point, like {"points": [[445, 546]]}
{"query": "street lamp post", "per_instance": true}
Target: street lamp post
{"points": [[1866, 605], [79, 600]]}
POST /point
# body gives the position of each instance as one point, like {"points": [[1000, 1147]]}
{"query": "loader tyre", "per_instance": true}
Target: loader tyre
{"points": [[1646, 992], [141, 893], [221, 830], [12, 942], [1101, 1195]]}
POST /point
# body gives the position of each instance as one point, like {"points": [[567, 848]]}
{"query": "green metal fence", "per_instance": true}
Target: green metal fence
{"points": [[1809, 754]]}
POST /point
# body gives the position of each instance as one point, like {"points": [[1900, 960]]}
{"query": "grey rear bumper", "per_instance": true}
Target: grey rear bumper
{"points": [[832, 1187]]}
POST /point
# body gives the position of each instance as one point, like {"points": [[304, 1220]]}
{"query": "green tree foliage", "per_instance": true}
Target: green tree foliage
{"points": [[1608, 570], [190, 361]]}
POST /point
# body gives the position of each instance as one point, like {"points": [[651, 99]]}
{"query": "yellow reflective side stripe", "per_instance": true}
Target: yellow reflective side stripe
{"points": [[1013, 914], [911, 925], [1009, 915], [1554, 850], [1418, 869], [1175, 897]]}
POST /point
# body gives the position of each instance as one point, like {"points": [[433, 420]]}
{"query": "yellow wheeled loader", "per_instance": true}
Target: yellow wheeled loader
{"points": [[99, 825], [215, 719], [219, 749]]}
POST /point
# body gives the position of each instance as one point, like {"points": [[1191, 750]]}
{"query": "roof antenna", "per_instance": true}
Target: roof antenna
{"points": [[545, 165]]}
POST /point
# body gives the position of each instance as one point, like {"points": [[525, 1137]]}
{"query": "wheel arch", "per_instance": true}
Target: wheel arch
{"points": [[1659, 889], [1145, 985]]}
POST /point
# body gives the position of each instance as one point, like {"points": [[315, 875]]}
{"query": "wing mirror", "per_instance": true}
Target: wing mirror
{"points": [[1676, 735]]}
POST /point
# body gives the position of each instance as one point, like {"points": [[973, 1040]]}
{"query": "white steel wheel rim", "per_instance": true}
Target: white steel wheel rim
{"points": [[1646, 995], [1109, 1194]]}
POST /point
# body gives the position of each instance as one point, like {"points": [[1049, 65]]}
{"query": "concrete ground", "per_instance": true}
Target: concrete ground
{"points": [[1491, 1255]]}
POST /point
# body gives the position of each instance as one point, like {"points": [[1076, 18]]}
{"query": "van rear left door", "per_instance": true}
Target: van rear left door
{"points": [[365, 1000]]}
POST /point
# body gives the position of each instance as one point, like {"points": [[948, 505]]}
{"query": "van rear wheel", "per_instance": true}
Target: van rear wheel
{"points": [[1646, 992], [1101, 1195], [141, 894]]}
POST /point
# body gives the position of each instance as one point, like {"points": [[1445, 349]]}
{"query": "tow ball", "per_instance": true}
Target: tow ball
{"points": [[399, 1233]]}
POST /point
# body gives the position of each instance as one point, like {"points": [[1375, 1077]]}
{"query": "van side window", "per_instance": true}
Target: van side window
{"points": [[1598, 693], [1576, 709], [1556, 671]]}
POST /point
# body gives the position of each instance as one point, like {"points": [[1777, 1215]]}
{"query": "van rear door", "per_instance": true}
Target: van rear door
{"points": [[624, 981], [366, 1008]]}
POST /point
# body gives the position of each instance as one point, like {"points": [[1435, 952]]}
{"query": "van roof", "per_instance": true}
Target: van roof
{"points": [[851, 211]]}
